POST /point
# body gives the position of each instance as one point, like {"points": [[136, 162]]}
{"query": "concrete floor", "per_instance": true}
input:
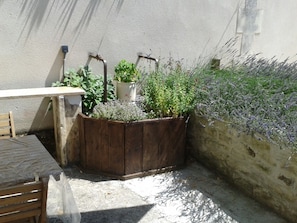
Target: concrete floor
{"points": [[193, 194]]}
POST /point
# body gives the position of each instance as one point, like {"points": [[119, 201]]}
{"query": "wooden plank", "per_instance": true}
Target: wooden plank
{"points": [[5, 131], [40, 92], [82, 140], [4, 123], [21, 188], [5, 137], [103, 146], [163, 143], [20, 215], [13, 134], [116, 163], [4, 116], [20, 198], [133, 147], [171, 150], [93, 142], [151, 138], [44, 199], [177, 156], [21, 207]]}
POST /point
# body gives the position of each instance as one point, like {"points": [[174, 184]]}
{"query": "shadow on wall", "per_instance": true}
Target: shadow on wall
{"points": [[38, 12], [44, 113], [55, 71], [43, 117]]}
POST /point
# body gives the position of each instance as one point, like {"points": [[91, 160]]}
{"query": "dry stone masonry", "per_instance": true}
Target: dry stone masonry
{"points": [[265, 171]]}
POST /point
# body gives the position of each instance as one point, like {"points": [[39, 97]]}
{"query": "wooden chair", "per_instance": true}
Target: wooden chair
{"points": [[24, 203], [7, 128]]}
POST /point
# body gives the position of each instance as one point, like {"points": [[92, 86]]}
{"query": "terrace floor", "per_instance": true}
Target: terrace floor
{"points": [[192, 194]]}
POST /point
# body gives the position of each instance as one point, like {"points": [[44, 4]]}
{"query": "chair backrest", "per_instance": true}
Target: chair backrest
{"points": [[26, 201], [7, 128]]}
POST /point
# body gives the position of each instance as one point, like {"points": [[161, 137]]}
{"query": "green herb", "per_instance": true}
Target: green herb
{"points": [[92, 84], [126, 72], [171, 91]]}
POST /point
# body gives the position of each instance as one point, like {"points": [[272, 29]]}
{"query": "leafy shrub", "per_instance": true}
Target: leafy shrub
{"points": [[168, 92], [171, 91], [92, 84], [120, 111], [258, 94], [126, 72]]}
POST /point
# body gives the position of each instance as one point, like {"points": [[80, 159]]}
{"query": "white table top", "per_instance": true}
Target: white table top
{"points": [[40, 92]]}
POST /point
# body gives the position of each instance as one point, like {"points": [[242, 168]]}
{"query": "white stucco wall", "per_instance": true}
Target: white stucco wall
{"points": [[33, 31]]}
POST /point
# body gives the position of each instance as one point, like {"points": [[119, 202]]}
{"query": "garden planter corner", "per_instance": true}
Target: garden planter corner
{"points": [[126, 150]]}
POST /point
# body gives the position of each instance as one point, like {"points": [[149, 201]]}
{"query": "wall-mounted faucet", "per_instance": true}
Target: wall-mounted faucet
{"points": [[98, 57], [148, 57]]}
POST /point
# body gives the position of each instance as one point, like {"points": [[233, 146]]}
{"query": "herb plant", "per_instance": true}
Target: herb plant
{"points": [[126, 72], [91, 83], [119, 111], [170, 91]]}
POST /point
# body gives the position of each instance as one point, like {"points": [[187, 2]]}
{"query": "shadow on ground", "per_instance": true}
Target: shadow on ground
{"points": [[199, 195], [131, 214], [193, 194]]}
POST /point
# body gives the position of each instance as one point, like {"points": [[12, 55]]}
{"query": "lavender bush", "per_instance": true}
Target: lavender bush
{"points": [[259, 94], [119, 111]]}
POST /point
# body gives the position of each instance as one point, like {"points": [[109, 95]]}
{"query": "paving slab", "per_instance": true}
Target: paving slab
{"points": [[192, 194]]}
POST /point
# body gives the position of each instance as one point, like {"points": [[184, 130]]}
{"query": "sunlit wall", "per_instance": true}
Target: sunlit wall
{"points": [[33, 31]]}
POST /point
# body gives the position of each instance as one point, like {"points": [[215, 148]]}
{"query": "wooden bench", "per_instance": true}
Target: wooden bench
{"points": [[66, 106]]}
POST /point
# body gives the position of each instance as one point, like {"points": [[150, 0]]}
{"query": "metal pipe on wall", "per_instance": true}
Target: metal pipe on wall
{"points": [[98, 57]]}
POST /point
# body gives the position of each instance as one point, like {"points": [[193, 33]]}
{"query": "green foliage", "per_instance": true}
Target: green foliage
{"points": [[171, 91], [92, 84], [120, 111], [126, 72], [258, 94]]}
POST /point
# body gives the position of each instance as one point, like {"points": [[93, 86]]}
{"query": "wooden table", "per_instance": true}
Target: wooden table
{"points": [[24, 158], [66, 105]]}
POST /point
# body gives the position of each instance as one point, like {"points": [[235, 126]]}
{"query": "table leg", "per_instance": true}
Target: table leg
{"points": [[65, 110]]}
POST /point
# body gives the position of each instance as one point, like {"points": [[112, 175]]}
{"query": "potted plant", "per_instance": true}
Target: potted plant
{"points": [[127, 140], [126, 76]]}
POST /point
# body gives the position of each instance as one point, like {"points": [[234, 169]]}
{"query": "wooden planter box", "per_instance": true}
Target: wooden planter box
{"points": [[127, 150]]}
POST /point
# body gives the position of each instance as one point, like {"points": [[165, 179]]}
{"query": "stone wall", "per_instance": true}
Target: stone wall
{"points": [[263, 170]]}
